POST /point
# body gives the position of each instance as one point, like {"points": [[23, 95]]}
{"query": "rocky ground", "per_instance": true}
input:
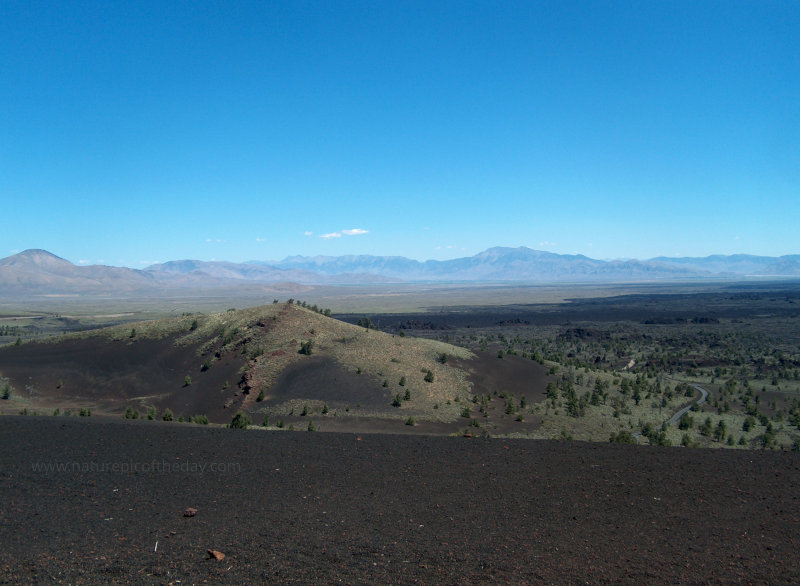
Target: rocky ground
{"points": [[91, 500]]}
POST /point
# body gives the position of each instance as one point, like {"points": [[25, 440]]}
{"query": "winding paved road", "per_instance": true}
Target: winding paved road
{"points": [[682, 412]]}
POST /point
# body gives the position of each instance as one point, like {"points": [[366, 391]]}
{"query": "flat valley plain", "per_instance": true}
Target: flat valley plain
{"points": [[524, 497]]}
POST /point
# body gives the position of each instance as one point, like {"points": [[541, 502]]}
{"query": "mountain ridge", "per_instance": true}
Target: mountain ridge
{"points": [[38, 271]]}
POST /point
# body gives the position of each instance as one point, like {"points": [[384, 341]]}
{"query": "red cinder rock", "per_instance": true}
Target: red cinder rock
{"points": [[217, 555]]}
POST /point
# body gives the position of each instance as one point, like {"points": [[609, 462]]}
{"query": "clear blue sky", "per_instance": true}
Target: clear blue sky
{"points": [[134, 132]]}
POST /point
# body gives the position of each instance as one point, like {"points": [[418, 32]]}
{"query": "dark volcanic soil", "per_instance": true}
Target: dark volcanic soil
{"points": [[322, 378], [108, 375], [308, 507]]}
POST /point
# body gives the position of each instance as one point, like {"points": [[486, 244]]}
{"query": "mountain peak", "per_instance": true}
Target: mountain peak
{"points": [[35, 257]]}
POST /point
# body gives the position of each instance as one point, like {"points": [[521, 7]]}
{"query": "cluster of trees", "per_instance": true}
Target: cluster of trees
{"points": [[326, 312], [9, 331], [167, 415]]}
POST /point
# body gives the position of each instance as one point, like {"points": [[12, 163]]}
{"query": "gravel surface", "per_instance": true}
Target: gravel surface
{"points": [[330, 507]]}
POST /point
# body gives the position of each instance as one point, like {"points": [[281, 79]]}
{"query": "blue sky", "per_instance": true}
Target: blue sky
{"points": [[136, 132]]}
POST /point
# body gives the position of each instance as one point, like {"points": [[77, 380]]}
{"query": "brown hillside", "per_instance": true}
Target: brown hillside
{"points": [[248, 359]]}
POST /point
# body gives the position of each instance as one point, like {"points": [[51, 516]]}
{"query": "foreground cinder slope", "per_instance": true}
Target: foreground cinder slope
{"points": [[92, 501], [275, 360]]}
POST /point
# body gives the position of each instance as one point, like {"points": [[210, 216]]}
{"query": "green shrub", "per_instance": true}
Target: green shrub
{"points": [[240, 421], [187, 380], [311, 426], [429, 376], [411, 421], [167, 415], [201, 419], [131, 413], [622, 437]]}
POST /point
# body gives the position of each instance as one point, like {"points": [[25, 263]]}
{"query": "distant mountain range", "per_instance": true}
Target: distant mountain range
{"points": [[39, 272], [525, 264]]}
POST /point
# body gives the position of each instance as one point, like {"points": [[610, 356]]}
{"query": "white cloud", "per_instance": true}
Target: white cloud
{"points": [[547, 243], [83, 261], [308, 233], [217, 240], [354, 232], [261, 239], [331, 235]]}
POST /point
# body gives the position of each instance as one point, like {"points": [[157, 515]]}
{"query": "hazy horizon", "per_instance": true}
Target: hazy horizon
{"points": [[146, 132]]}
